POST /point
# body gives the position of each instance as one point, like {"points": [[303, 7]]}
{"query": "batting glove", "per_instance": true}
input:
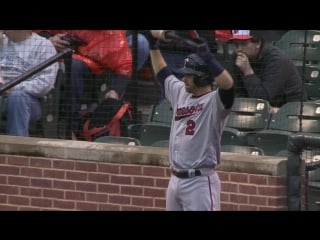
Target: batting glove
{"points": [[201, 48], [154, 42]]}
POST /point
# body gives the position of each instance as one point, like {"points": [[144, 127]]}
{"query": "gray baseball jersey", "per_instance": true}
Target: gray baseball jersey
{"points": [[196, 127]]}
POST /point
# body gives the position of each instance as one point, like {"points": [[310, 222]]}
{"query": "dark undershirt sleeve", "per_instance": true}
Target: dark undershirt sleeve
{"points": [[227, 97], [163, 74]]}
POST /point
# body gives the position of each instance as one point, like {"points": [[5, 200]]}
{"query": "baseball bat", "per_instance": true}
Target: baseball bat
{"points": [[170, 35], [35, 70]]}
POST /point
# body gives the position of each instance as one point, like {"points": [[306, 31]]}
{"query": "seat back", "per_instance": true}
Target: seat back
{"points": [[311, 78], [157, 127], [298, 37], [161, 113], [152, 132], [297, 117], [292, 117], [249, 114], [301, 45]]}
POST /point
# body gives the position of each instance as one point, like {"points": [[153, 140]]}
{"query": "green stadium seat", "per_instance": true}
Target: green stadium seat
{"points": [[161, 143], [302, 46], [152, 132], [156, 128], [299, 38], [291, 117], [247, 150], [311, 77], [248, 116], [162, 112]]}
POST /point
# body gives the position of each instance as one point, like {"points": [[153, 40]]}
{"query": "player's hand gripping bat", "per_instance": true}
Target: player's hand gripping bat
{"points": [[170, 35], [196, 45]]}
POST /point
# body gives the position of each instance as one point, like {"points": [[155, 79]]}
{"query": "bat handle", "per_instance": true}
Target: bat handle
{"points": [[188, 42], [171, 35], [161, 34]]}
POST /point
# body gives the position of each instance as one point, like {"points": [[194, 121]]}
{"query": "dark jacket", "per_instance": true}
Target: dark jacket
{"points": [[275, 78]]}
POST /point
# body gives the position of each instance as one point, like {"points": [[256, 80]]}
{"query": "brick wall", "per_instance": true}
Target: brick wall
{"points": [[43, 174], [252, 192]]}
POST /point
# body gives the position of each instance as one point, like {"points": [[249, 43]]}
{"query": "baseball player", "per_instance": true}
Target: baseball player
{"points": [[200, 114]]}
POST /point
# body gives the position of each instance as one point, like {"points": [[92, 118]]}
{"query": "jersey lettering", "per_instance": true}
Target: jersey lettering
{"points": [[188, 111]]}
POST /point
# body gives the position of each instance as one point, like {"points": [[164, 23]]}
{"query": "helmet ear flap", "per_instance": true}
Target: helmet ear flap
{"points": [[202, 81]]}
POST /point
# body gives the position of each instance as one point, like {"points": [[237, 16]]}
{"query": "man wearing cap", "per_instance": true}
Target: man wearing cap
{"points": [[261, 70]]}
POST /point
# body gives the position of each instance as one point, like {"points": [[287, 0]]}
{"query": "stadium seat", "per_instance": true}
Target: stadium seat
{"points": [[302, 38], [302, 46], [152, 132], [311, 77], [161, 143], [156, 128], [248, 116], [162, 112], [248, 150], [291, 117], [134, 130]]}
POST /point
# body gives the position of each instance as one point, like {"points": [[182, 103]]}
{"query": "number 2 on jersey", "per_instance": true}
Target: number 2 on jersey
{"points": [[190, 127]]}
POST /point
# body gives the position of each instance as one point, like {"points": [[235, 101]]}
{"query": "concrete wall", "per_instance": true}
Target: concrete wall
{"points": [[50, 174]]}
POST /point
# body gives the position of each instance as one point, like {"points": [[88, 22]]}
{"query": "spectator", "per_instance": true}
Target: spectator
{"points": [[85, 67], [21, 50], [119, 83], [270, 36], [261, 70]]}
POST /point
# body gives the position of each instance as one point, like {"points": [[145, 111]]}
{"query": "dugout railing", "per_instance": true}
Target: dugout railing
{"points": [[297, 170]]}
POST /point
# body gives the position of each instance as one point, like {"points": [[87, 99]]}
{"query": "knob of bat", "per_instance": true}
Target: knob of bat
{"points": [[160, 34]]}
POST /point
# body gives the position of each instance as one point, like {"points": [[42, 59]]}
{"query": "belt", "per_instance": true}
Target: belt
{"points": [[186, 173]]}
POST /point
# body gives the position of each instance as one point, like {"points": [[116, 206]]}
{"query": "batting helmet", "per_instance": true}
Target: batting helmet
{"points": [[194, 65]]}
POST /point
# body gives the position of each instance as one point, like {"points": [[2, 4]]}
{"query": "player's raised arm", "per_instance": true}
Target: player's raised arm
{"points": [[221, 76], [157, 60]]}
